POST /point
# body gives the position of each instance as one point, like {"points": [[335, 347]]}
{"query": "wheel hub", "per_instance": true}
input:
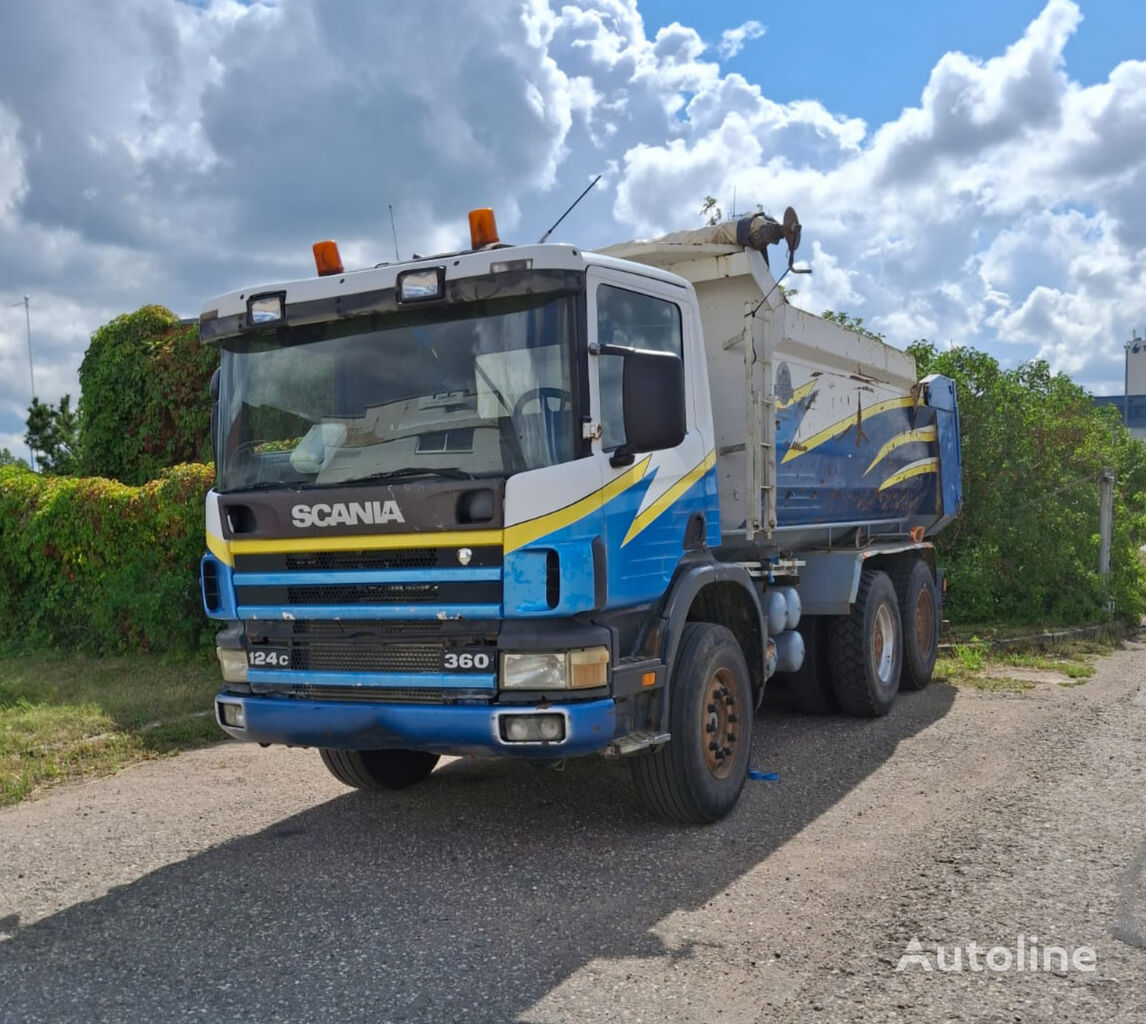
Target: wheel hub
{"points": [[924, 623], [720, 723], [883, 644]]}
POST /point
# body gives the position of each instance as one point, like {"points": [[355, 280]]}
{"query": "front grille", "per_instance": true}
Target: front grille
{"points": [[460, 631], [452, 593], [482, 557], [361, 694], [417, 558], [321, 657], [364, 593]]}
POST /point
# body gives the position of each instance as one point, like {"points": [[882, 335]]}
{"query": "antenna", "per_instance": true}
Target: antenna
{"points": [[397, 258], [569, 211]]}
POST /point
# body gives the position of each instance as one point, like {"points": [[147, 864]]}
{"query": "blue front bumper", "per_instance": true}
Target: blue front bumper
{"points": [[443, 729]]}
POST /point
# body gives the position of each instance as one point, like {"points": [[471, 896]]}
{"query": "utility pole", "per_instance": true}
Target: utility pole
{"points": [[31, 365]]}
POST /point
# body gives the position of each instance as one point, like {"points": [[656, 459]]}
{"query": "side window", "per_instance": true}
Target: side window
{"points": [[634, 321]]}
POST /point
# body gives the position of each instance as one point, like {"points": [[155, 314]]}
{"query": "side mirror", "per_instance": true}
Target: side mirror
{"points": [[652, 388]]}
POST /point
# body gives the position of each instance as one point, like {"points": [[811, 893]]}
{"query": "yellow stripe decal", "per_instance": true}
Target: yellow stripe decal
{"points": [[524, 533], [842, 426], [908, 437], [798, 395], [378, 542], [218, 547], [672, 494], [914, 469]]}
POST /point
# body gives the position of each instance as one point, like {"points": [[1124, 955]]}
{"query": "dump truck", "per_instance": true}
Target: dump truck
{"points": [[538, 502]]}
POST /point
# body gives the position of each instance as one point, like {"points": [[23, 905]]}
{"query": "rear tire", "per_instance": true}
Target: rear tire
{"points": [[697, 776], [378, 769], [866, 648], [919, 606], [808, 690]]}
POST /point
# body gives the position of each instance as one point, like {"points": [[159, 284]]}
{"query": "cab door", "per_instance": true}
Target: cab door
{"points": [[657, 502]]}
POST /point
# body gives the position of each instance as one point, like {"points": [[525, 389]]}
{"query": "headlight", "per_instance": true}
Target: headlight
{"points": [[233, 663], [533, 671], [555, 670]]}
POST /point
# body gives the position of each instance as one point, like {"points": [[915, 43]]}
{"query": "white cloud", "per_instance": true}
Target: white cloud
{"points": [[732, 40], [164, 151], [13, 184]]}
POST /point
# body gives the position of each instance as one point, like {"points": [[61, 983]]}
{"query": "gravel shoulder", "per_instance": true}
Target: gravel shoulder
{"points": [[234, 883]]}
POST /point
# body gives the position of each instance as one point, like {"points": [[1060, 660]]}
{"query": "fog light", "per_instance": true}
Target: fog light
{"points": [[551, 727], [233, 715], [233, 663], [533, 728]]}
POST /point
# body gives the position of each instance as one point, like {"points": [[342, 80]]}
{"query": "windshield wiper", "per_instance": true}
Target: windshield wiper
{"points": [[406, 472], [268, 485]]}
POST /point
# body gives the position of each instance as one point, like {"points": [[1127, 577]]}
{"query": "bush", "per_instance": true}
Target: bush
{"points": [[93, 565], [145, 403], [1025, 549]]}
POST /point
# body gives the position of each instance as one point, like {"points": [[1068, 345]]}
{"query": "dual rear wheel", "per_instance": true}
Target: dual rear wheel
{"points": [[858, 663]]}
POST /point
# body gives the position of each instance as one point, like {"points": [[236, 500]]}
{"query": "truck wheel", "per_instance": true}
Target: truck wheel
{"points": [[697, 776], [919, 605], [378, 769], [809, 689], [866, 649]]}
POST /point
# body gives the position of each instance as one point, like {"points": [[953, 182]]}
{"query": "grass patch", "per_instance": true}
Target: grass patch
{"points": [[71, 717], [974, 664], [995, 684], [1072, 667]]}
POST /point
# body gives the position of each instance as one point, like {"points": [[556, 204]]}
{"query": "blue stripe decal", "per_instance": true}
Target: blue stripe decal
{"points": [[306, 577], [421, 612], [411, 680]]}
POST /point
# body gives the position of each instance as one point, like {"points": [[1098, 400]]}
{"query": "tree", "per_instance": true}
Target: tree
{"points": [[711, 213], [52, 436], [8, 459], [1025, 548], [852, 323], [145, 404]]}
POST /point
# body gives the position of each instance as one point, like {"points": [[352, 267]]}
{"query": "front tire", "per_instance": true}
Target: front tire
{"points": [[697, 776], [867, 649], [919, 604], [378, 769]]}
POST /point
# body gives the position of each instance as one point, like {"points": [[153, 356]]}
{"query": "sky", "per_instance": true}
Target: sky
{"points": [[970, 173]]}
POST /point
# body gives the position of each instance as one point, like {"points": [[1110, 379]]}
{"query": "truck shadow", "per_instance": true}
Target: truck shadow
{"points": [[469, 897]]}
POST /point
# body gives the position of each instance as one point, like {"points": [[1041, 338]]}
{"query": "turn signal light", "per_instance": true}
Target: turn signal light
{"points": [[326, 258], [483, 228]]}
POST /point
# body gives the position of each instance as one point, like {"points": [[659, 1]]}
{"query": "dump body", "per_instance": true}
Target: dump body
{"points": [[822, 431]]}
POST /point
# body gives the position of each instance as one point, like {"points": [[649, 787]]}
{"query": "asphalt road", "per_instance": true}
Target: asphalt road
{"points": [[239, 884]]}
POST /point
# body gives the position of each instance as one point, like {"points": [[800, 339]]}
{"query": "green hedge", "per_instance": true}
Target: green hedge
{"points": [[94, 565]]}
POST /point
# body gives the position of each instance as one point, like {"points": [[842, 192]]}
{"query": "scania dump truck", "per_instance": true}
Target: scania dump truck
{"points": [[532, 501]]}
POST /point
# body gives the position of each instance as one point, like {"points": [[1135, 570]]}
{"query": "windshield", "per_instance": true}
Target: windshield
{"points": [[482, 389]]}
